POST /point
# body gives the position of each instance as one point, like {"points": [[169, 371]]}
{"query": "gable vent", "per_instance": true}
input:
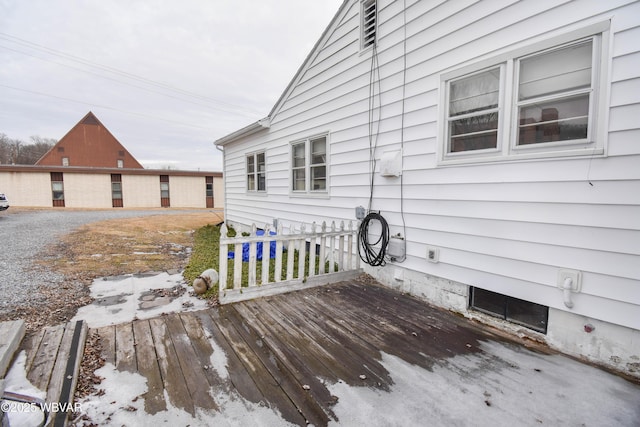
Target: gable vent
{"points": [[368, 14], [90, 120]]}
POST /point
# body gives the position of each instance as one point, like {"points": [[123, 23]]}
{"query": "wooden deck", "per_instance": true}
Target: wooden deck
{"points": [[282, 351], [53, 362]]}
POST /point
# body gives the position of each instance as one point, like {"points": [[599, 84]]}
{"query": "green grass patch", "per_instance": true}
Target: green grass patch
{"points": [[206, 254]]}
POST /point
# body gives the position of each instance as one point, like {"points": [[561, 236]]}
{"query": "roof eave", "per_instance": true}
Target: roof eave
{"points": [[245, 131]]}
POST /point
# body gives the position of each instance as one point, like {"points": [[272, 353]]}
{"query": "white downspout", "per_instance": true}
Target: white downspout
{"points": [[224, 178]]}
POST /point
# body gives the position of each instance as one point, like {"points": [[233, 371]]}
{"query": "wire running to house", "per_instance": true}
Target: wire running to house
{"points": [[106, 107], [373, 136], [373, 253], [402, 114]]}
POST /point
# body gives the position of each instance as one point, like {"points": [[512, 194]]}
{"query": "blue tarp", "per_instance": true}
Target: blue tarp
{"points": [[245, 248]]}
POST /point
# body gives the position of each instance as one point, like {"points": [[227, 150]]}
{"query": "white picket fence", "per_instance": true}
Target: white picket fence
{"points": [[337, 259]]}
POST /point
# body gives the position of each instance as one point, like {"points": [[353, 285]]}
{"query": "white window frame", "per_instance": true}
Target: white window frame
{"points": [[256, 172], [365, 21], [308, 166], [507, 148]]}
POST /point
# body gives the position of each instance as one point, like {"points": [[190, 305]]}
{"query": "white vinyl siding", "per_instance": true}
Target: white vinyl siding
{"points": [[505, 226]]}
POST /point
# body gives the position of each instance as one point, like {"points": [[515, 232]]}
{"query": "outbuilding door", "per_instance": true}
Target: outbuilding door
{"points": [[209, 188], [164, 191]]}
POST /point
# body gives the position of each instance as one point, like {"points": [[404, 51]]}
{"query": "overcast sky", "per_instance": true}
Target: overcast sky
{"points": [[167, 78]]}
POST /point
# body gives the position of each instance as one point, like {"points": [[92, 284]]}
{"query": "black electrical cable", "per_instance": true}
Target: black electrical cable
{"points": [[373, 253]]}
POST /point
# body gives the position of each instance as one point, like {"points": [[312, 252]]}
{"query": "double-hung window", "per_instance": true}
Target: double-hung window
{"points": [[309, 165], [256, 172], [535, 102]]}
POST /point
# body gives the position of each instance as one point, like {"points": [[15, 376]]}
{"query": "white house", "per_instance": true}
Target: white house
{"points": [[500, 142]]}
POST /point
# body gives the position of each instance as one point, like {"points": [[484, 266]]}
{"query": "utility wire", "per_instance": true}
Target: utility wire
{"points": [[133, 85], [103, 106], [404, 86], [373, 253], [373, 137], [114, 71]]}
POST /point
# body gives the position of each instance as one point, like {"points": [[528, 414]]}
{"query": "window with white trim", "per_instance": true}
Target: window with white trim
{"points": [[309, 165], [554, 94], [530, 104], [368, 23], [256, 172]]}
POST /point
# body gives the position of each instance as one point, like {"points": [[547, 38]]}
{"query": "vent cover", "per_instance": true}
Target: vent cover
{"points": [[90, 120]]}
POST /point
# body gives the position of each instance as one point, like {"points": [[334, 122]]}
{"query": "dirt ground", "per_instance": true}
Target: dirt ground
{"points": [[111, 248]]}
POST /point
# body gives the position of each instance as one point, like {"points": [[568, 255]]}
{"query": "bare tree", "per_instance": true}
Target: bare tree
{"points": [[5, 149], [31, 153], [17, 152]]}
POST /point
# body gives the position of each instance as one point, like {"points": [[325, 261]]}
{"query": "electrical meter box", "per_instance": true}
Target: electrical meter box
{"points": [[395, 248]]}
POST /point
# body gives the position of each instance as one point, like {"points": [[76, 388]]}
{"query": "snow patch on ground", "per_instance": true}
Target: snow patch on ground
{"points": [[120, 300], [16, 381]]}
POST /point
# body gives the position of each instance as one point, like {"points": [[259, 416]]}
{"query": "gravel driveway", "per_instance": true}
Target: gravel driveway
{"points": [[25, 233]]}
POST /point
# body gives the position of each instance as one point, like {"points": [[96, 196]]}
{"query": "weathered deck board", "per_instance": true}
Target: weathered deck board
{"points": [[47, 349], [52, 364], [147, 363], [266, 383], [200, 340], [66, 369], [345, 353], [284, 351], [174, 381], [192, 369], [288, 352], [238, 376], [306, 371], [107, 336], [125, 353], [30, 346], [281, 372], [11, 334]]}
